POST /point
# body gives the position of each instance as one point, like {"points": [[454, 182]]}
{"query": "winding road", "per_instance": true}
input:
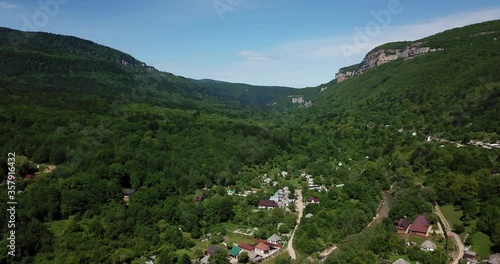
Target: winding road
{"points": [[452, 234], [300, 208]]}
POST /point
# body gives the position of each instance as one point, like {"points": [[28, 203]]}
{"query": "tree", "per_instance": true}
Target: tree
{"points": [[184, 259], [243, 258], [459, 229], [284, 229], [219, 257], [283, 260], [196, 232]]}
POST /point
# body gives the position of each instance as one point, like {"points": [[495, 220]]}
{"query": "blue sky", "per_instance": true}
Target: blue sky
{"points": [[295, 43]]}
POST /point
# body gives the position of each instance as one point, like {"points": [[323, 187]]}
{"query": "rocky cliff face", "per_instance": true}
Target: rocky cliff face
{"points": [[299, 99], [383, 56]]}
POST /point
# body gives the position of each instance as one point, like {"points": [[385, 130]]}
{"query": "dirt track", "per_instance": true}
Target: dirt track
{"points": [[383, 209], [300, 208], [452, 234]]}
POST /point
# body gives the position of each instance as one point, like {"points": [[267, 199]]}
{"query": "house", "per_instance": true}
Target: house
{"points": [[470, 256], [267, 181], [313, 200], [231, 192], [428, 246], [211, 250], [276, 198], [126, 195], [198, 198], [246, 247], [494, 259], [151, 260], [235, 251], [204, 260], [254, 258], [267, 204], [420, 226], [128, 192], [262, 248], [402, 225], [400, 261], [274, 239]]}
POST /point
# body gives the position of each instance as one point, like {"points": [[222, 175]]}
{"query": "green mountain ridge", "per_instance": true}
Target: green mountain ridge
{"points": [[453, 92], [78, 55]]}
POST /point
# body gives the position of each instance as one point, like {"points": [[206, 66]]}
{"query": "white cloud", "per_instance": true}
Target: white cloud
{"points": [[252, 55], [311, 62], [5, 5]]}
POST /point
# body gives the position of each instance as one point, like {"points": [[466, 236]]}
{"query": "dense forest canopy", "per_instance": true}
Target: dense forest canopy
{"points": [[89, 124]]}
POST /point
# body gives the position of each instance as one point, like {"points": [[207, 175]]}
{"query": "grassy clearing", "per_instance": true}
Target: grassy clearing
{"points": [[417, 240], [239, 239], [481, 244], [452, 215]]}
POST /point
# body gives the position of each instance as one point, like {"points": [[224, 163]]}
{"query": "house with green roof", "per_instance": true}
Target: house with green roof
{"points": [[235, 251]]}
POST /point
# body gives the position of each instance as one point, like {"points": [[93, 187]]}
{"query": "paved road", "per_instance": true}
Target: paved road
{"points": [[452, 234], [300, 208]]}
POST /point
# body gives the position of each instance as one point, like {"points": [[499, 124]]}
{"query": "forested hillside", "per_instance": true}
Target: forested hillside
{"points": [[244, 93], [405, 116], [117, 162]]}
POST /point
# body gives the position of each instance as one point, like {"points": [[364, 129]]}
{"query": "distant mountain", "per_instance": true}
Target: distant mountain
{"points": [[245, 93], [84, 62], [63, 46]]}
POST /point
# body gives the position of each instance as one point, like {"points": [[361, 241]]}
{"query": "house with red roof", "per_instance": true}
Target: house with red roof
{"points": [[262, 248], [247, 247], [402, 225], [313, 200], [198, 198], [267, 204], [419, 226]]}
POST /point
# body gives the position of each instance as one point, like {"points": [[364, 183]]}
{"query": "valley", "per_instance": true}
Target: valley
{"points": [[118, 162]]}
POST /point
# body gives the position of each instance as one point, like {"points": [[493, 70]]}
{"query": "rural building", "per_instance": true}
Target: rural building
{"points": [[267, 204], [400, 261], [254, 258], [198, 198], [211, 250], [235, 251], [402, 225], [420, 226], [494, 259], [428, 246], [247, 247], [313, 200], [262, 248], [470, 256], [274, 239]]}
